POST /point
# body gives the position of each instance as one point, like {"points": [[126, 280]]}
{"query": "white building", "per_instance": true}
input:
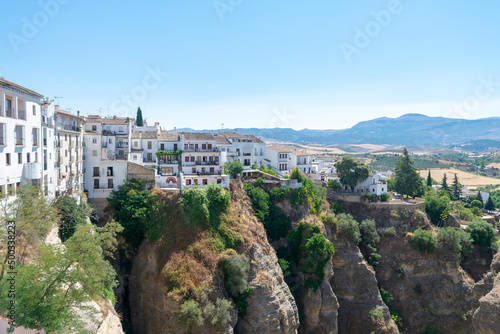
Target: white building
{"points": [[20, 137], [201, 161], [69, 153], [374, 184], [169, 164], [48, 148], [248, 149], [106, 150], [280, 158]]}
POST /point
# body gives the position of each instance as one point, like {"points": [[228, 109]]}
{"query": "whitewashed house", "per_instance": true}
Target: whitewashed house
{"points": [[20, 137], [248, 149], [106, 152], [280, 158], [69, 153], [169, 164]]}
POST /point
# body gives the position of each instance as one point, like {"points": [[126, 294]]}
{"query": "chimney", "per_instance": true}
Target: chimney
{"points": [[78, 113]]}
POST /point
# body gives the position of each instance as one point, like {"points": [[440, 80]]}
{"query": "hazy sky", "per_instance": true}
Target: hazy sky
{"points": [[300, 64]]}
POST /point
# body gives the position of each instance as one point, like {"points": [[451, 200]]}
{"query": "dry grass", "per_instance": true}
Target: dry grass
{"points": [[467, 179]]}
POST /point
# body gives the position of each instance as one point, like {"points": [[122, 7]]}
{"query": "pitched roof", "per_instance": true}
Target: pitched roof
{"points": [[144, 135], [230, 134], [19, 87], [163, 136], [198, 136], [65, 112], [221, 140], [278, 148]]}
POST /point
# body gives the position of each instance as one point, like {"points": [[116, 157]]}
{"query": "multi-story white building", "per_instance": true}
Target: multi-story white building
{"points": [[280, 158], [169, 164], [69, 153], [20, 137], [106, 150], [201, 161], [48, 148], [248, 149], [145, 146]]}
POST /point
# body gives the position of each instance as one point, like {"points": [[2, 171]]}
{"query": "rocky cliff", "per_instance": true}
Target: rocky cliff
{"points": [[271, 306], [486, 318]]}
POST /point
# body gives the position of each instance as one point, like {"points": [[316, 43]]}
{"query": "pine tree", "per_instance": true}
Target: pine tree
{"points": [[429, 180], [407, 181], [479, 197], [138, 119], [456, 189], [490, 206]]}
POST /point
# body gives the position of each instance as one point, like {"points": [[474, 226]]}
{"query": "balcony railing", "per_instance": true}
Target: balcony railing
{"points": [[9, 112], [108, 132], [205, 173], [19, 141], [2, 141], [104, 145], [247, 154], [21, 114], [168, 162], [207, 163], [215, 149], [109, 173], [96, 174]]}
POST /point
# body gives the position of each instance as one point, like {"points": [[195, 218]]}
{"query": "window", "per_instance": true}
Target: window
{"points": [[27, 157], [2, 134], [109, 171], [96, 171], [193, 170], [135, 156], [167, 171], [19, 134], [110, 141], [19, 158], [203, 146], [162, 147], [8, 108], [94, 153], [94, 140], [121, 129], [188, 182], [34, 110], [110, 183], [96, 183], [34, 134], [7, 159], [186, 159], [94, 128], [150, 157], [192, 159], [209, 146], [150, 145], [205, 182], [10, 189], [66, 137]]}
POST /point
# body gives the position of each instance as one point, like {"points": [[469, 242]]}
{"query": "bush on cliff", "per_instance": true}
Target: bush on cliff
{"points": [[349, 228], [483, 233], [423, 241]]}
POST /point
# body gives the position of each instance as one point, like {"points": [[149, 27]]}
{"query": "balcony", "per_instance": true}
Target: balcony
{"points": [[108, 133], [44, 141], [109, 173], [207, 163], [2, 141], [21, 114], [69, 127], [19, 141], [283, 159], [96, 174], [215, 149], [168, 162], [247, 154], [9, 112], [148, 160], [204, 173], [121, 145], [104, 145]]}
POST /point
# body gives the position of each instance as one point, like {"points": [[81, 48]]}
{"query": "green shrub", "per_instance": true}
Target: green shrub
{"points": [[195, 206], [269, 171], [386, 296], [374, 257], [219, 201], [72, 215], [336, 208], [334, 184], [218, 313], [190, 317], [349, 228], [390, 231], [437, 208], [400, 271], [418, 289], [260, 201], [233, 168], [450, 237], [384, 197], [235, 269], [377, 315], [369, 234], [482, 233], [398, 319], [476, 204], [285, 267], [431, 330], [423, 241], [230, 238], [328, 220], [259, 181], [277, 224], [279, 194]]}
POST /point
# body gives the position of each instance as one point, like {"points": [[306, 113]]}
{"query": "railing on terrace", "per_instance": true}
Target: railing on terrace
{"points": [[207, 163], [215, 149], [2, 141], [19, 141], [8, 112], [21, 114]]}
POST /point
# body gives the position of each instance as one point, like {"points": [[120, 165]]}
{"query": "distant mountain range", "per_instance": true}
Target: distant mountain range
{"points": [[409, 129]]}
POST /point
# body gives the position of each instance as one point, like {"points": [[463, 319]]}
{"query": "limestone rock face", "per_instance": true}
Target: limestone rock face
{"points": [[355, 286], [486, 318], [320, 308], [111, 323]]}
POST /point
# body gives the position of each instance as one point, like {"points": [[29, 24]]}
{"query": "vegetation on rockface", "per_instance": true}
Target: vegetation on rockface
{"points": [[423, 241], [349, 228], [483, 234], [57, 281], [233, 168], [275, 222], [407, 181], [308, 194], [235, 269], [437, 208], [334, 184], [457, 240], [351, 172], [307, 252], [387, 298], [72, 215]]}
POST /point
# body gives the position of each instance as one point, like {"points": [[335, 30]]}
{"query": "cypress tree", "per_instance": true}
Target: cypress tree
{"points": [[456, 189], [489, 204], [429, 180], [444, 184], [479, 197], [138, 119]]}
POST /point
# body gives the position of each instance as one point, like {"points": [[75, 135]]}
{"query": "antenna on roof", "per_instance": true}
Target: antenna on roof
{"points": [[58, 99]]}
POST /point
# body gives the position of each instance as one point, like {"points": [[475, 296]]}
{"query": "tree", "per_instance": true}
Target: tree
{"points": [[482, 233], [334, 184], [407, 181], [351, 172], [456, 189], [51, 289], [437, 208], [72, 215], [479, 197], [423, 241], [489, 204], [429, 180], [138, 119], [444, 184], [34, 215], [233, 168]]}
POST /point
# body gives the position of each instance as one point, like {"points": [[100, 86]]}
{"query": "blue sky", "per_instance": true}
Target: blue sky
{"points": [[257, 63]]}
